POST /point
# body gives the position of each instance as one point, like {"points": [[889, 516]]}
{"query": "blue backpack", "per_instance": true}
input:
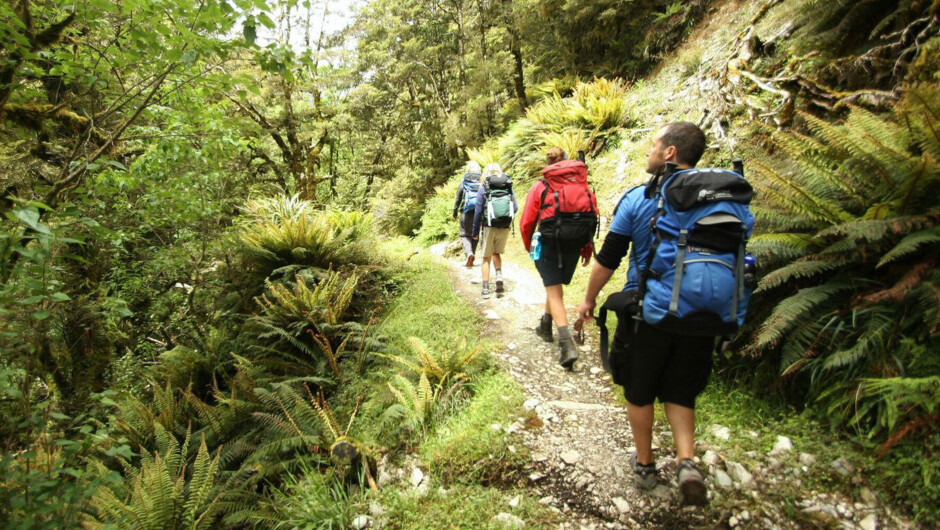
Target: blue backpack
{"points": [[693, 283], [471, 184]]}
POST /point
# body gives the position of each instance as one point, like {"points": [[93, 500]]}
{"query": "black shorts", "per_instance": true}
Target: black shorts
{"points": [[548, 268], [651, 363]]}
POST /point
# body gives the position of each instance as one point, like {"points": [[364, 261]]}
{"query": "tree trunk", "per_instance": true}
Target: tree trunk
{"points": [[515, 48]]}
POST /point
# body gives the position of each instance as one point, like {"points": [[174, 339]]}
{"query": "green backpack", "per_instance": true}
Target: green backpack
{"points": [[498, 195]]}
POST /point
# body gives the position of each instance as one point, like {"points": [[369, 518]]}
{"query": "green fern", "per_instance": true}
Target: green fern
{"points": [[163, 493], [851, 224]]}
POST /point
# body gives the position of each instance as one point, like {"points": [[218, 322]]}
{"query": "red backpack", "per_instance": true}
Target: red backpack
{"points": [[568, 212]]}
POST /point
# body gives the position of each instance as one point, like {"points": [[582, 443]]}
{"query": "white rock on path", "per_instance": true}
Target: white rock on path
{"points": [[621, 504], [710, 458], [571, 457], [361, 522], [842, 466], [719, 431], [417, 476], [807, 459], [740, 475], [508, 520], [870, 522], [722, 479], [576, 406], [782, 445], [491, 315]]}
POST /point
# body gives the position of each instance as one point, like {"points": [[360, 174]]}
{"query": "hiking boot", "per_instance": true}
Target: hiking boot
{"points": [[499, 286], [485, 292], [544, 331], [569, 354], [644, 475], [691, 484], [470, 261]]}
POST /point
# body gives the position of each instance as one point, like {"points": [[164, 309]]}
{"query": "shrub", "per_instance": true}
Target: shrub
{"points": [[288, 231]]}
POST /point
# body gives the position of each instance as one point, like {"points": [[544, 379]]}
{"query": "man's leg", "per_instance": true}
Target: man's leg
{"points": [[641, 423], [486, 269], [682, 421], [555, 305], [497, 261]]}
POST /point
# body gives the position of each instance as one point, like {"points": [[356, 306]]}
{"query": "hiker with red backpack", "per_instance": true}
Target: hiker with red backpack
{"points": [[557, 226], [686, 230], [495, 209], [466, 206]]}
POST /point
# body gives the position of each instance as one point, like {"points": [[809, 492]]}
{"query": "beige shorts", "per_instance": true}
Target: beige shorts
{"points": [[493, 240]]}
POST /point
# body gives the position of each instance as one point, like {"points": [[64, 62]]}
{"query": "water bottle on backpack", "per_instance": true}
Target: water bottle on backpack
{"points": [[535, 249]]}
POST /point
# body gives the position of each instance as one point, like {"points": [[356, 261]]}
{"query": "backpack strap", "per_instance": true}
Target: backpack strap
{"points": [[558, 228], [738, 275], [653, 188], [682, 242]]}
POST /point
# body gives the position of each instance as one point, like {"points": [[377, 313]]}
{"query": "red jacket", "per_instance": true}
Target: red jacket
{"points": [[556, 175]]}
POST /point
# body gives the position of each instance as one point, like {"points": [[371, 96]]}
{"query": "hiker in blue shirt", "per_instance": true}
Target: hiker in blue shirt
{"points": [[495, 208], [649, 362], [465, 206]]}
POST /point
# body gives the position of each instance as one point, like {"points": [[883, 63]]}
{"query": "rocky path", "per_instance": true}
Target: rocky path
{"points": [[580, 452]]}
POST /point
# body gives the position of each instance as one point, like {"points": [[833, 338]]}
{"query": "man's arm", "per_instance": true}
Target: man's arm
{"points": [[478, 213], [608, 259], [459, 199]]}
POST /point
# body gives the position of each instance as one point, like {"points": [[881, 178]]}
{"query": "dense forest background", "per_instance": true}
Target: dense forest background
{"points": [[205, 206]]}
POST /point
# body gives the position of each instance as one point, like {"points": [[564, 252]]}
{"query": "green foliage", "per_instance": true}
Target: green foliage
{"points": [[855, 311], [290, 232], [463, 506], [467, 448], [163, 493], [437, 223], [315, 501]]}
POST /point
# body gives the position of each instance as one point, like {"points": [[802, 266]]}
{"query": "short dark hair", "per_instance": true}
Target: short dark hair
{"points": [[688, 139]]}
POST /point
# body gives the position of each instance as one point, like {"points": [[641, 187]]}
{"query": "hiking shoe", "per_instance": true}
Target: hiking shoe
{"points": [[569, 354], [499, 286], [691, 484], [644, 475], [485, 292], [470, 261], [545, 331]]}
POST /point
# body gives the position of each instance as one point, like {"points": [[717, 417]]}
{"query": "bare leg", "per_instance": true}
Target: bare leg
{"points": [[555, 305], [486, 269], [682, 420], [497, 261], [641, 423]]}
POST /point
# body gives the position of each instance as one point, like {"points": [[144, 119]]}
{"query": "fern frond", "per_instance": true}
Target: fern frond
{"points": [[911, 244], [798, 270], [791, 311]]}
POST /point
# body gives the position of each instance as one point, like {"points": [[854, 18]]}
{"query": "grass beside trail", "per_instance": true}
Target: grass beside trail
{"points": [[473, 461]]}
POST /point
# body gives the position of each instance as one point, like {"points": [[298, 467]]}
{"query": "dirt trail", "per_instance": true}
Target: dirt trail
{"points": [[580, 456]]}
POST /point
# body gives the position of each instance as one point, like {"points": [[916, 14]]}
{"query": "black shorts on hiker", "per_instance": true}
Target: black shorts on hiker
{"points": [[548, 268], [651, 363]]}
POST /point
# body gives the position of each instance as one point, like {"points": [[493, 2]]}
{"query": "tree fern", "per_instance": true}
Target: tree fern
{"points": [[860, 221]]}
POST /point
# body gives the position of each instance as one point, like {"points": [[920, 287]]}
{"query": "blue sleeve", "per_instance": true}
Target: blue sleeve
{"points": [[478, 212], [622, 223]]}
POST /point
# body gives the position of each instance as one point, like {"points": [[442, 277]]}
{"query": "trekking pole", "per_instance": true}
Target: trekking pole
{"points": [[738, 166]]}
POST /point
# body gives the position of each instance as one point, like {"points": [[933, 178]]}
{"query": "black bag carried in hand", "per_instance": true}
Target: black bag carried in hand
{"points": [[624, 304]]}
